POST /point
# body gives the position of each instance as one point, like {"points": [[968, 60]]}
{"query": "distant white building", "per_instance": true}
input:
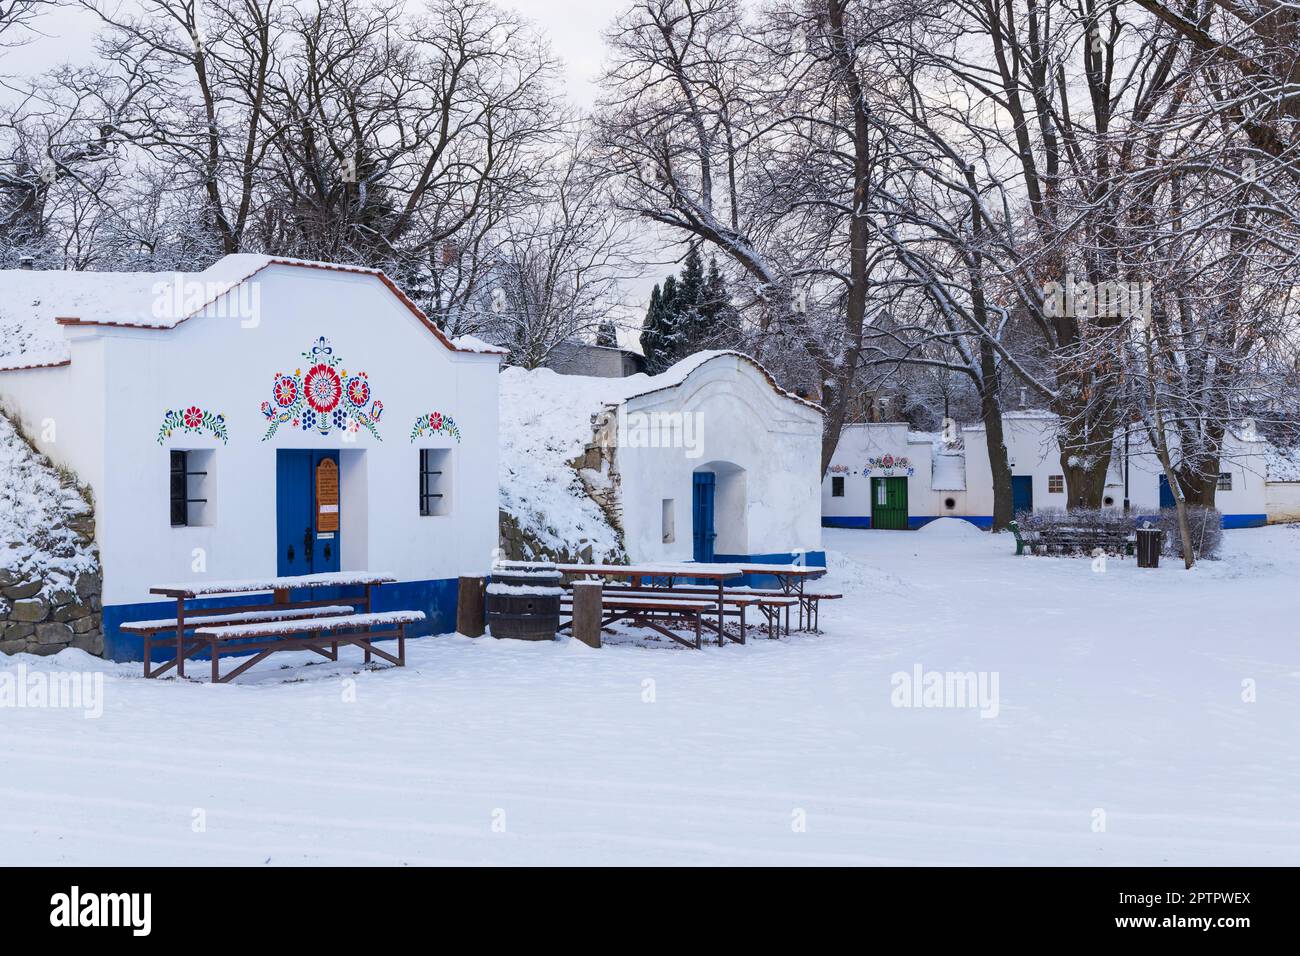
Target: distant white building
{"points": [[884, 476], [261, 418], [1283, 487], [715, 462]]}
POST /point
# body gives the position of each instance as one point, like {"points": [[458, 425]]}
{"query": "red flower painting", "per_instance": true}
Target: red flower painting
{"points": [[322, 388], [358, 392], [286, 391]]}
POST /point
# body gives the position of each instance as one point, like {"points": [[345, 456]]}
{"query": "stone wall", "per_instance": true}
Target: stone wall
{"points": [[517, 544], [51, 586], [43, 617]]}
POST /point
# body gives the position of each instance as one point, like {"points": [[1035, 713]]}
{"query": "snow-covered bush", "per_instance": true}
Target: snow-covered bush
{"points": [[1205, 525]]}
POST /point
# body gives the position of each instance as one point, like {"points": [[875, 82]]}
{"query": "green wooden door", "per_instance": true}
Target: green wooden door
{"points": [[889, 504]]}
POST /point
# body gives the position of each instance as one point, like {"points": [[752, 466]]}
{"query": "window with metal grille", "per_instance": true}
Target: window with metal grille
{"points": [[435, 481], [188, 480], [1225, 481], [1056, 484], [837, 486]]}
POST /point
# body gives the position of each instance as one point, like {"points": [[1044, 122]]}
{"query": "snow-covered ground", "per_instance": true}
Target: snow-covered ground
{"points": [[1119, 694]]}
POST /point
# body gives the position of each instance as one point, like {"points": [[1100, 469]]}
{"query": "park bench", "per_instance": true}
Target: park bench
{"points": [[641, 610], [1073, 539], [149, 630], [321, 635]]}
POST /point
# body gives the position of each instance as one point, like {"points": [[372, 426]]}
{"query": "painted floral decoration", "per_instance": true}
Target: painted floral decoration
{"points": [[888, 463], [323, 398], [193, 420], [432, 424]]}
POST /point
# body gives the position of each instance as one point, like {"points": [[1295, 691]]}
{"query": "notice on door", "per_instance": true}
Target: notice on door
{"points": [[327, 496]]}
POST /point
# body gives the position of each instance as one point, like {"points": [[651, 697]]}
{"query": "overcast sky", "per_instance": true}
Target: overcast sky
{"points": [[574, 28]]}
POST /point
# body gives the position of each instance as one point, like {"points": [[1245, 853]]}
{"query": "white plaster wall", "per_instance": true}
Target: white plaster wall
{"points": [[865, 440], [64, 411], [1283, 501], [1032, 449], [746, 423], [215, 363]]}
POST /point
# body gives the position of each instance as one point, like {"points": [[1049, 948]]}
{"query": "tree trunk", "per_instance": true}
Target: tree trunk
{"points": [[994, 437]]}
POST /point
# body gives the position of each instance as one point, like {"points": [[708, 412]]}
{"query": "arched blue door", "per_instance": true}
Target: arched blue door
{"points": [[702, 490]]}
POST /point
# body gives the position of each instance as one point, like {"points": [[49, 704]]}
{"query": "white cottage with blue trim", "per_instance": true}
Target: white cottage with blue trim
{"points": [[264, 417], [886, 477]]}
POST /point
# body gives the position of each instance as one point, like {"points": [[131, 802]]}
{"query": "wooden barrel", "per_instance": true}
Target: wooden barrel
{"points": [[523, 600]]}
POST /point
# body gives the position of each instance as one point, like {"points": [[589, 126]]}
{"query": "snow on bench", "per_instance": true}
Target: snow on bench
{"points": [[238, 617], [249, 585], [730, 596], [637, 600], [310, 625]]}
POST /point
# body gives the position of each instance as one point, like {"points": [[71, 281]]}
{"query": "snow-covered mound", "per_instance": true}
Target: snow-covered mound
{"points": [[1283, 463], [950, 528], [36, 506], [545, 425]]}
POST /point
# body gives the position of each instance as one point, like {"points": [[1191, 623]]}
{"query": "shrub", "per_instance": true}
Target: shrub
{"points": [[1205, 525]]}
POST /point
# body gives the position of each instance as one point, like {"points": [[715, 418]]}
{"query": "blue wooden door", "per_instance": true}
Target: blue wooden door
{"points": [[702, 515], [1022, 493], [301, 546], [1166, 494]]}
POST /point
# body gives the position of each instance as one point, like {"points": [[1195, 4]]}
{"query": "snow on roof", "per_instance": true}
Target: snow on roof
{"points": [[947, 470], [32, 300], [677, 374], [35, 506], [37, 302], [471, 343], [1283, 463]]}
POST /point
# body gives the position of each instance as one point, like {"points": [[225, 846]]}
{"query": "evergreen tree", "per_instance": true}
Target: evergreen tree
{"points": [[720, 320], [607, 334]]}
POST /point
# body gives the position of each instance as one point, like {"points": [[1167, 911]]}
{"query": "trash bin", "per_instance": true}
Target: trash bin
{"points": [[1148, 547]]}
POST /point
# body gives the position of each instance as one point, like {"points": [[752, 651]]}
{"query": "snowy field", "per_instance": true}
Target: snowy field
{"points": [[1119, 693]]}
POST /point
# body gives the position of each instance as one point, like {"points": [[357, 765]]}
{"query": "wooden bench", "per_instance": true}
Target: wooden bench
{"points": [[807, 599], [769, 605], [774, 598], [640, 609], [314, 634], [1081, 539], [148, 630]]}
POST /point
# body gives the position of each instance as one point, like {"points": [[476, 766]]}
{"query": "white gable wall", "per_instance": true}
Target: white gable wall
{"points": [[110, 403], [765, 449], [216, 363]]}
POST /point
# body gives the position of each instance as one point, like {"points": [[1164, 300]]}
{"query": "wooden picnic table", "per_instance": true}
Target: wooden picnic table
{"points": [[667, 572], [280, 588], [791, 579]]}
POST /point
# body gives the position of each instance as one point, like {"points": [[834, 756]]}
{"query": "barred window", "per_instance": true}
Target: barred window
{"points": [[435, 481]]}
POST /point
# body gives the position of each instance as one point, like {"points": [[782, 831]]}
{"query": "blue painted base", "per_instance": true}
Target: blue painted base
{"points": [[1244, 521], [985, 522], [436, 598]]}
